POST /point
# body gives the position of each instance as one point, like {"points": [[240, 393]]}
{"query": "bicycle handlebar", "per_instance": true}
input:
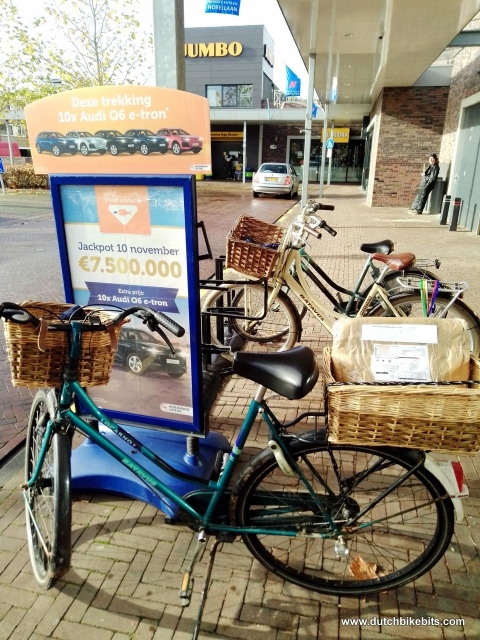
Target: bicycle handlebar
{"points": [[15, 313]]}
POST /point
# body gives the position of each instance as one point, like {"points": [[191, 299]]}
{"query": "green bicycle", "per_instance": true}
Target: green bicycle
{"points": [[309, 511]]}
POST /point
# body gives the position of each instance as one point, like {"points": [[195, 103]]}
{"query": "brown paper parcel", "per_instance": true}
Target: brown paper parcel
{"points": [[448, 359]]}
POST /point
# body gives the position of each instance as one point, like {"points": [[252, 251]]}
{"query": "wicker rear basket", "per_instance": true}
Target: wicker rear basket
{"points": [[250, 257], [34, 368], [441, 417]]}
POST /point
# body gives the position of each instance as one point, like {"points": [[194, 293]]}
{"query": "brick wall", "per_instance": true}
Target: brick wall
{"points": [[411, 128], [465, 82]]}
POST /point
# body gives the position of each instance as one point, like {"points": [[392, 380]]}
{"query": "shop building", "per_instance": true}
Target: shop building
{"points": [[233, 68]]}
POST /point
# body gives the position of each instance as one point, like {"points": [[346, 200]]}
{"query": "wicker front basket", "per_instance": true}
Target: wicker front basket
{"points": [[34, 368], [250, 257], [440, 417]]}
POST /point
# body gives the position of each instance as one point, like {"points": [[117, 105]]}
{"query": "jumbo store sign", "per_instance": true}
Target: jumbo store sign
{"points": [[213, 50]]}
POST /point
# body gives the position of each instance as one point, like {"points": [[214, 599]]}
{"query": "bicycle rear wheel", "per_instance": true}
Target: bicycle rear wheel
{"points": [[395, 542], [410, 305], [48, 511]]}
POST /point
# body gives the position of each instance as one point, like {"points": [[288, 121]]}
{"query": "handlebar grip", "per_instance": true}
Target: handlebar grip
{"points": [[18, 314], [328, 228], [169, 324], [317, 206]]}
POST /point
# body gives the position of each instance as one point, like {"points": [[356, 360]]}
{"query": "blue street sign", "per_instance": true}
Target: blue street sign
{"points": [[231, 7], [2, 170], [330, 143]]}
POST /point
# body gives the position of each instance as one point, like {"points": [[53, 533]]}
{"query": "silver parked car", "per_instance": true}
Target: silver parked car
{"points": [[87, 143], [277, 178]]}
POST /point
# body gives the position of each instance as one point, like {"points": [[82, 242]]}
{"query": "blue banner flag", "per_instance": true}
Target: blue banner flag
{"points": [[314, 110], [293, 83], [230, 7]]}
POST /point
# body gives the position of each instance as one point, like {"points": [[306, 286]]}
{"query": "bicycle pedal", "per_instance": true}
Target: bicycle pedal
{"points": [[186, 589]]}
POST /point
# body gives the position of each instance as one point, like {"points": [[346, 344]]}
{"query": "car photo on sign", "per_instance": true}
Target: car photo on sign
{"points": [[138, 352], [277, 178], [147, 142], [180, 140], [117, 142], [55, 142], [87, 143]]}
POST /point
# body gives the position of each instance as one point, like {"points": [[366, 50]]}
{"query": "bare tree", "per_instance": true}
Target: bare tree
{"points": [[103, 42]]}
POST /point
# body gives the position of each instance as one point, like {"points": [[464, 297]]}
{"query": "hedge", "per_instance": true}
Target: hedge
{"points": [[22, 176]]}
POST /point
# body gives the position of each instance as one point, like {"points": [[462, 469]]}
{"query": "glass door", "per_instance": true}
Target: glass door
{"points": [[347, 160]]}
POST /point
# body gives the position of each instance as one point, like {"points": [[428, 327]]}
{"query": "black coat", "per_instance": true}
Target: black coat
{"points": [[431, 174], [426, 186]]}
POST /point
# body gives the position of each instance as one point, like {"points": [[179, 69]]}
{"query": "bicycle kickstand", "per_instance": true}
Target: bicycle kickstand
{"points": [[187, 581], [206, 584]]}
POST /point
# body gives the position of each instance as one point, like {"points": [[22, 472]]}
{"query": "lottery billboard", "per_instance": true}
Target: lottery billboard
{"points": [[123, 129], [128, 241]]}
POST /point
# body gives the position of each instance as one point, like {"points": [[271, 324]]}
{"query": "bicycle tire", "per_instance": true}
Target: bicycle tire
{"points": [[402, 546], [278, 331], [49, 498], [412, 307]]}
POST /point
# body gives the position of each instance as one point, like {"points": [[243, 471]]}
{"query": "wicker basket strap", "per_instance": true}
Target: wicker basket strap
{"points": [[42, 334], [113, 337]]}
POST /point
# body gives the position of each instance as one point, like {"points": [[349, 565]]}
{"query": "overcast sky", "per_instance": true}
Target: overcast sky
{"points": [[266, 12]]}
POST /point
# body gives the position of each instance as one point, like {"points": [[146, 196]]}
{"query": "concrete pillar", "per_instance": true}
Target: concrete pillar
{"points": [[169, 43]]}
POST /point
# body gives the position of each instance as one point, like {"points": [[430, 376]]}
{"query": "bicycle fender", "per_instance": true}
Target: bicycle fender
{"points": [[52, 403], [452, 490]]}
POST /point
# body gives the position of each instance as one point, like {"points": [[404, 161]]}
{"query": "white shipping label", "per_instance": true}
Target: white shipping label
{"points": [[416, 333], [400, 363]]}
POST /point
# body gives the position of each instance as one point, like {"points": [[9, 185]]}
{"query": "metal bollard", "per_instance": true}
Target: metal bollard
{"points": [[446, 207], [457, 203]]}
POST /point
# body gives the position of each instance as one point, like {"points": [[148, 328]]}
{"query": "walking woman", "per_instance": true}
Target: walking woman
{"points": [[426, 185]]}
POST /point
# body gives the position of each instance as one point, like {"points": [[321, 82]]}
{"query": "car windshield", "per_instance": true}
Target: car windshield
{"points": [[114, 133], [84, 134], [55, 134], [181, 132], [148, 132], [273, 168]]}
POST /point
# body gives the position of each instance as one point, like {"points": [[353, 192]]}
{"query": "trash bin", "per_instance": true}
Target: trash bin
{"points": [[436, 197], [248, 174]]}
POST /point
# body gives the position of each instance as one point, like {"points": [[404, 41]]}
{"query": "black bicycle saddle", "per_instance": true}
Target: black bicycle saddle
{"points": [[384, 246], [291, 373]]}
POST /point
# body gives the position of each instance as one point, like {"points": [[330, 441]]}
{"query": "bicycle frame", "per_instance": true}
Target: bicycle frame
{"points": [[298, 262], [300, 288], [72, 389]]}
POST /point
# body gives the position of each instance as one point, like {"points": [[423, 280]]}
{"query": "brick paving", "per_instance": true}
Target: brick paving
{"points": [[127, 562]]}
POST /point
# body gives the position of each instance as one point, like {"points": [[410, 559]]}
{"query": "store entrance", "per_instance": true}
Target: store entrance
{"points": [[235, 147], [347, 160]]}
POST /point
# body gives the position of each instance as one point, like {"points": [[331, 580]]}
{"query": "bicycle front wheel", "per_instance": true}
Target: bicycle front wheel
{"points": [[277, 331], [410, 305], [48, 510], [390, 544]]}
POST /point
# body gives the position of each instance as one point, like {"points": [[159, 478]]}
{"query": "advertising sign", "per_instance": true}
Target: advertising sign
{"points": [[127, 241], [123, 129], [340, 135], [2, 170], [293, 83], [231, 7]]}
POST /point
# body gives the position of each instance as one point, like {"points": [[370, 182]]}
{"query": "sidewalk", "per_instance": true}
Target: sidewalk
{"points": [[127, 563]]}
